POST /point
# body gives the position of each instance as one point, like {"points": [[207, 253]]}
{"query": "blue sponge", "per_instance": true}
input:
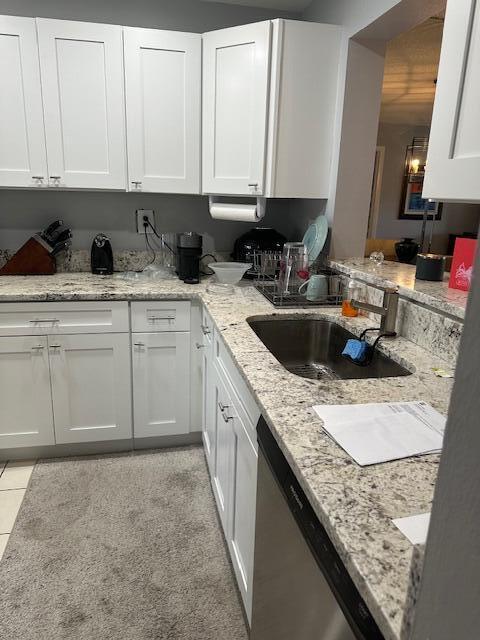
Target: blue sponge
{"points": [[356, 350]]}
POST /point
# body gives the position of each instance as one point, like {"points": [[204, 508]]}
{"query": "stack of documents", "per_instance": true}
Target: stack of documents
{"points": [[373, 433]]}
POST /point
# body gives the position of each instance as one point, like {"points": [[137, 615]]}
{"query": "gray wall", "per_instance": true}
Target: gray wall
{"points": [[353, 14], [179, 15], [456, 218], [24, 212]]}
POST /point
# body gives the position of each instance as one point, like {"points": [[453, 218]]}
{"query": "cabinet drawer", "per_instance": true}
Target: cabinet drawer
{"points": [[167, 315], [56, 318], [228, 370]]}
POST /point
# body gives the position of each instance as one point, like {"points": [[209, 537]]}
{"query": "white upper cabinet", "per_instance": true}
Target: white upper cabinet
{"points": [[453, 163], [82, 81], [163, 95], [23, 160], [236, 64], [268, 118]]}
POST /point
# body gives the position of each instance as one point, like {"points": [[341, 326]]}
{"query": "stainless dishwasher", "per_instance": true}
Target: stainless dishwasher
{"points": [[301, 589]]}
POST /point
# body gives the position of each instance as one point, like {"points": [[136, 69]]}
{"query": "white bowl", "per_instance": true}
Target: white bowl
{"points": [[229, 272]]}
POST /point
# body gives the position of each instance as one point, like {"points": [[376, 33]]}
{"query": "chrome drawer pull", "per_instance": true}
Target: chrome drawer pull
{"points": [[55, 346], [38, 347], [205, 330], [222, 406], [153, 318], [52, 320], [199, 346], [226, 418], [138, 344]]}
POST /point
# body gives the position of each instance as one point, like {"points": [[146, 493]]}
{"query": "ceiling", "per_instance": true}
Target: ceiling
{"points": [[281, 5], [411, 67]]}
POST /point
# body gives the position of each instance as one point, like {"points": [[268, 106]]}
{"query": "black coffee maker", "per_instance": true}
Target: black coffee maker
{"points": [[189, 252]]}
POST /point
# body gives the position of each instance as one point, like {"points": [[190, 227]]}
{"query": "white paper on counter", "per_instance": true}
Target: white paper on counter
{"points": [[380, 432], [415, 528]]}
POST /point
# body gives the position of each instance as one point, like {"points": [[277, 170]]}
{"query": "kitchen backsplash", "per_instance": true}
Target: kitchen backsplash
{"points": [[123, 260], [431, 330]]}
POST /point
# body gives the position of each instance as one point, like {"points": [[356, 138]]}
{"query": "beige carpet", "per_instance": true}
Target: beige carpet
{"points": [[120, 547]]}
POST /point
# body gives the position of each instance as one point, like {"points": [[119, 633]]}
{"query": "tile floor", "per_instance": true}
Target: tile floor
{"points": [[14, 477]]}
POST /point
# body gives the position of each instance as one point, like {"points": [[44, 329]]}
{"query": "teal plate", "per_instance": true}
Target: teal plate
{"points": [[315, 238]]}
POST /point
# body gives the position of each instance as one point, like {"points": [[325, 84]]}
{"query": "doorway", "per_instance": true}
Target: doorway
{"points": [[397, 209]]}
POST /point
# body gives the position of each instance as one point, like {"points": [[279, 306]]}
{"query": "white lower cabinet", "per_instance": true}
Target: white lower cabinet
{"points": [[243, 491], [222, 451], [208, 395], [161, 383], [91, 387], [231, 453], [26, 417]]}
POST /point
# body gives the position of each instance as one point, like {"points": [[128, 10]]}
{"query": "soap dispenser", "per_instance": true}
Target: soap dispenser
{"points": [[353, 290]]}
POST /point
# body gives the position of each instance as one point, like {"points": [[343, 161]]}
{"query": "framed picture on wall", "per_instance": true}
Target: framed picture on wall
{"points": [[412, 205]]}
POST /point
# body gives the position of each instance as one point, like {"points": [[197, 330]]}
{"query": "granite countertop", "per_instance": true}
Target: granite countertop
{"points": [[436, 295], [355, 504]]}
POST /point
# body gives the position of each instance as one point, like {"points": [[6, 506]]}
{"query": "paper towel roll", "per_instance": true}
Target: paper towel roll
{"points": [[238, 212]]}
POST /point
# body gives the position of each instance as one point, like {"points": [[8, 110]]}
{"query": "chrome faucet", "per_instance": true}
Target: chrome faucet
{"points": [[388, 310]]}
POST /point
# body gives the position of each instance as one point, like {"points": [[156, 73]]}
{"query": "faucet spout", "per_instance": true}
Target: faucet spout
{"points": [[388, 310]]}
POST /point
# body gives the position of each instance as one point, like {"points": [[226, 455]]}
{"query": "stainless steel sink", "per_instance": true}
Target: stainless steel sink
{"points": [[312, 348]]}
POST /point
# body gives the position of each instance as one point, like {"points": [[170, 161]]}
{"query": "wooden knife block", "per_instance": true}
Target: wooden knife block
{"points": [[30, 260]]}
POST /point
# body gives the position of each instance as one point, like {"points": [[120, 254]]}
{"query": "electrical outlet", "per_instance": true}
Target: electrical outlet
{"points": [[141, 214]]}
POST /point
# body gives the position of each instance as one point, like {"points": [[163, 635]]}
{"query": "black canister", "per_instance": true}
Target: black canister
{"points": [[406, 250], [189, 252], [101, 255], [430, 266]]}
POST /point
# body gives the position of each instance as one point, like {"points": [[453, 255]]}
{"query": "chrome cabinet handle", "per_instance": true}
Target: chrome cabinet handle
{"points": [[154, 318], [226, 418], [137, 183], [56, 180], [205, 330], [138, 344], [222, 406], [199, 346], [39, 180], [55, 346], [253, 184], [52, 320], [38, 348]]}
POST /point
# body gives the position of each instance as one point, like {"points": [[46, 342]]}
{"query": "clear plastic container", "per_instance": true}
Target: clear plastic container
{"points": [[354, 290]]}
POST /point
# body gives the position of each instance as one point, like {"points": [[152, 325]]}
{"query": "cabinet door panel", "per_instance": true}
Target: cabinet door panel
{"points": [[163, 88], [209, 410], [235, 90], [26, 417], [243, 496], [161, 387], [91, 387], [222, 451], [453, 163], [82, 82], [22, 135]]}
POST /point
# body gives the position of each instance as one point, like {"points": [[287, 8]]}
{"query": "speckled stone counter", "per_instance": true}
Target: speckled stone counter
{"points": [[355, 504], [436, 295]]}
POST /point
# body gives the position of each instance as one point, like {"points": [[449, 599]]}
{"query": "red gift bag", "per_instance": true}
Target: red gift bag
{"points": [[462, 264]]}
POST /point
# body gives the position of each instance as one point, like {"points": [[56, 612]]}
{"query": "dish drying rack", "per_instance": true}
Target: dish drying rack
{"points": [[266, 265]]}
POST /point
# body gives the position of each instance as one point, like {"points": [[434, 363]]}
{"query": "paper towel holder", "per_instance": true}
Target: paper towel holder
{"points": [[261, 204]]}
